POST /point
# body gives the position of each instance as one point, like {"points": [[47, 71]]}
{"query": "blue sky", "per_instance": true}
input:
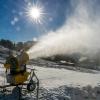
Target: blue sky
{"points": [[15, 25]]}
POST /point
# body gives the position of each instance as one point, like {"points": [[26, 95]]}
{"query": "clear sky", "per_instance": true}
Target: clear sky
{"points": [[15, 25]]}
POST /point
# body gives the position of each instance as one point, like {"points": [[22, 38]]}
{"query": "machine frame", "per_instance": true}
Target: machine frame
{"points": [[29, 87]]}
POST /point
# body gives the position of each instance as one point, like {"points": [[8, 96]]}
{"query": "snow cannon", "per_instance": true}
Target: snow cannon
{"points": [[17, 67], [22, 78]]}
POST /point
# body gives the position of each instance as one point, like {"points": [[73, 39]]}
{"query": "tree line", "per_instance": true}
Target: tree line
{"points": [[7, 44], [16, 46]]}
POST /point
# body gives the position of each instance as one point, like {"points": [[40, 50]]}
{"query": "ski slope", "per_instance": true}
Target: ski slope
{"points": [[53, 77]]}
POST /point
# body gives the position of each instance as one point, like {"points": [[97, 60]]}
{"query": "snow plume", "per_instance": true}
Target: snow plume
{"points": [[80, 33]]}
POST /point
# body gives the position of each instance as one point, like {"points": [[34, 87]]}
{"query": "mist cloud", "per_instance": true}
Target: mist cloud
{"points": [[80, 33]]}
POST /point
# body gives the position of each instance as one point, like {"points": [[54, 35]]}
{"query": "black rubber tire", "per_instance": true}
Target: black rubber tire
{"points": [[17, 93], [31, 86]]}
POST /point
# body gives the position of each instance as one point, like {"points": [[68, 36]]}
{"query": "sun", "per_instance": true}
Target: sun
{"points": [[35, 13]]}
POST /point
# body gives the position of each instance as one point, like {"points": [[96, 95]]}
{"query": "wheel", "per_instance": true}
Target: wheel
{"points": [[17, 93], [31, 86]]}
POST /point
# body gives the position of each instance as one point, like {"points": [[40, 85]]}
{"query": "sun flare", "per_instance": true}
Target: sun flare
{"points": [[35, 13]]}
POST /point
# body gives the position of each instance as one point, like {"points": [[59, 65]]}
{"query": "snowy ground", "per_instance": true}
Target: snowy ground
{"points": [[55, 81], [53, 77]]}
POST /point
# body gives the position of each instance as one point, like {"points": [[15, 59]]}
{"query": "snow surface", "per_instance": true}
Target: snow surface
{"points": [[53, 77]]}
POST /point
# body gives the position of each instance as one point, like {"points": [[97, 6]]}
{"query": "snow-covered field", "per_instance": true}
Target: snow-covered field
{"points": [[53, 78]]}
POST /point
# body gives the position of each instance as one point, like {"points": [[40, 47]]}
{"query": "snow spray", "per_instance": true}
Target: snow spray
{"points": [[80, 33]]}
